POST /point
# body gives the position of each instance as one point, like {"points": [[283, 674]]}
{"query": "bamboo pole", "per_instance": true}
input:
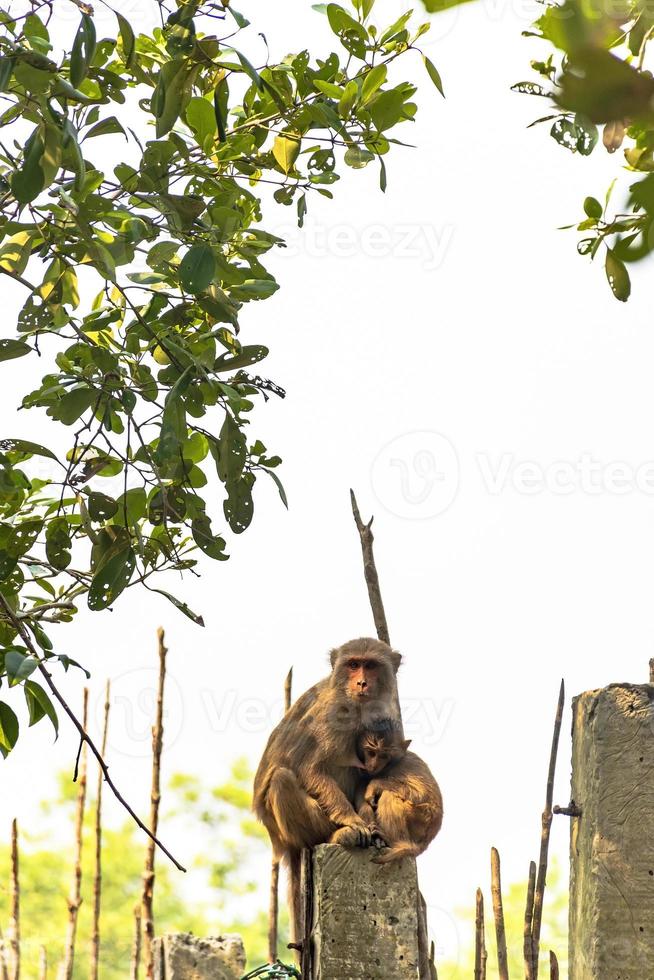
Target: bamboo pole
{"points": [[273, 910], [481, 953], [75, 897], [546, 825], [147, 916], [529, 915], [14, 916], [498, 911], [4, 973], [554, 966], [97, 874], [136, 945], [43, 964]]}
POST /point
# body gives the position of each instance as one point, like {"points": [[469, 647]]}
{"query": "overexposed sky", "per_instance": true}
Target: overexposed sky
{"points": [[446, 353]]}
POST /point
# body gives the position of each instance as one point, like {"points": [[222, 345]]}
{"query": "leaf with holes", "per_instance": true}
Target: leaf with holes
{"points": [[39, 705], [286, 149], [239, 506], [111, 579], [8, 729], [9, 349], [25, 447], [618, 277], [58, 543], [100, 506], [197, 268]]}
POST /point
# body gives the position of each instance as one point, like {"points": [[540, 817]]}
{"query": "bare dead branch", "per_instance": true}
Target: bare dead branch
{"points": [[529, 915], [481, 953], [75, 897], [273, 907], [370, 571], [14, 915], [546, 825], [554, 966], [97, 873], [136, 945], [498, 911], [25, 637], [147, 916], [4, 973]]}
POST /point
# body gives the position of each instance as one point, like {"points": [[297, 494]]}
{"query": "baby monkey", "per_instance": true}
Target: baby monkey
{"points": [[401, 799]]}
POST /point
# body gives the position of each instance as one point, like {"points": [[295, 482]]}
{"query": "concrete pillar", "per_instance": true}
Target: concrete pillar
{"points": [[612, 841], [363, 917], [182, 956]]}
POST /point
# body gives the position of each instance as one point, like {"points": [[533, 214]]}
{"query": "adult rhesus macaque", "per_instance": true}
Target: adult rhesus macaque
{"points": [[307, 780], [402, 799]]}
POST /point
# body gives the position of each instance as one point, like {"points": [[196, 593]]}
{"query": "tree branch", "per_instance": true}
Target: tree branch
{"points": [[25, 637], [370, 572]]}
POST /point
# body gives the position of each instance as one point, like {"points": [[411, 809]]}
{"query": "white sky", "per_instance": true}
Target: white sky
{"points": [[489, 346]]}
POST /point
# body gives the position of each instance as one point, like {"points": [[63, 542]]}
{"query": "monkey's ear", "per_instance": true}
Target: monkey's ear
{"points": [[333, 657], [406, 744], [396, 660]]}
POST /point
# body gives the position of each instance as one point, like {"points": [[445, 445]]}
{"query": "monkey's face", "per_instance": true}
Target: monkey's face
{"points": [[378, 752], [362, 677]]}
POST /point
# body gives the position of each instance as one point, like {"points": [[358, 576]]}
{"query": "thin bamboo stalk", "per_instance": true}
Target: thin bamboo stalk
{"points": [[97, 873], [14, 916], [546, 826], [75, 897], [147, 915], [481, 953], [43, 963], [529, 915], [136, 946], [498, 911], [4, 973], [554, 966]]}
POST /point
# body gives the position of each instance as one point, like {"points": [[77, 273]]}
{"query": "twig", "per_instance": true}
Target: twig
{"points": [[43, 963], [273, 909], [481, 954], [147, 919], [25, 637], [14, 918], [546, 825], [370, 571], [136, 945], [529, 915], [97, 875], [554, 966], [498, 911], [75, 898]]}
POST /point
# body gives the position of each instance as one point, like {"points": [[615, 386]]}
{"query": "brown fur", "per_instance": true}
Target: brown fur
{"points": [[402, 799], [307, 780]]}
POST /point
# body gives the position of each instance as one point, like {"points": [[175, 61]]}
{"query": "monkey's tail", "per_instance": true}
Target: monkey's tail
{"points": [[396, 852], [294, 865]]}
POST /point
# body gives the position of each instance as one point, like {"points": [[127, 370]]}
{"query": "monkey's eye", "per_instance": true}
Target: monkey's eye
{"points": [[353, 665]]}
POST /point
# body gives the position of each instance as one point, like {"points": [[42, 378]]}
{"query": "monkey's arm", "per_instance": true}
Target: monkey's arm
{"points": [[331, 798]]}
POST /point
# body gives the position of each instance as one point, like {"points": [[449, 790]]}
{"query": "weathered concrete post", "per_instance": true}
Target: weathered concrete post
{"points": [[362, 917], [612, 840], [182, 956]]}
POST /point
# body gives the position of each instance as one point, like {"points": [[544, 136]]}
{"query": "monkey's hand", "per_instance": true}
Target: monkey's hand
{"points": [[355, 834], [373, 792]]}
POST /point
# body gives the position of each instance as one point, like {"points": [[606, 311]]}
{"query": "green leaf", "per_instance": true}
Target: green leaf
{"points": [[105, 127], [19, 665], [201, 118], [83, 50], [605, 88], [618, 277], [28, 182], [8, 729], [286, 149], [357, 157], [26, 447], [127, 38], [58, 543], [280, 486], [239, 506], [73, 404], [212, 545], [593, 208], [230, 452], [39, 705], [9, 349], [197, 269], [100, 506], [181, 606], [433, 73], [111, 579]]}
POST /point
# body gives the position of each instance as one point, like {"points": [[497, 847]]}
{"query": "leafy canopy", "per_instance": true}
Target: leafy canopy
{"points": [[138, 247]]}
